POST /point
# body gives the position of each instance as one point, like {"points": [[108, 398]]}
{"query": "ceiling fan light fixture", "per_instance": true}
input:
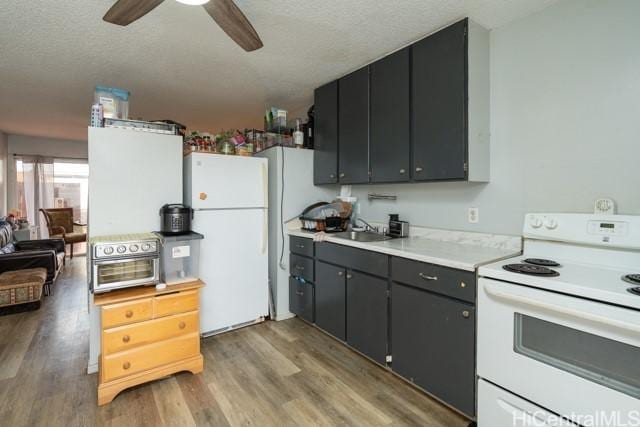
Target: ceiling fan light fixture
{"points": [[193, 2]]}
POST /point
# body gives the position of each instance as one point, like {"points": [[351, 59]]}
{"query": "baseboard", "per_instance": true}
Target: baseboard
{"points": [[284, 316], [92, 368]]}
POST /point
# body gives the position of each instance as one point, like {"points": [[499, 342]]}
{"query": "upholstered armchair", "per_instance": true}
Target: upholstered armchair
{"points": [[60, 224]]}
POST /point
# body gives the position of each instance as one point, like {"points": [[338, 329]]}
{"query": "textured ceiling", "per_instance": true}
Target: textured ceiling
{"points": [[178, 64]]}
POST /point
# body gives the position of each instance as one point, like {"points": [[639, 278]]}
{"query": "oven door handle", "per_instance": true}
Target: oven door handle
{"points": [[490, 289]]}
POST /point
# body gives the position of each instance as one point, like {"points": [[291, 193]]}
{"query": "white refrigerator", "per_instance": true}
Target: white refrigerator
{"points": [[229, 195]]}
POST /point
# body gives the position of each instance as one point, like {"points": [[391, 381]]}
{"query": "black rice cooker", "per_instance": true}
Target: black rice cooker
{"points": [[175, 218]]}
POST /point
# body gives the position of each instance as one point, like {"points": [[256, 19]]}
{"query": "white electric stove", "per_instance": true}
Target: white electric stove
{"points": [[559, 326]]}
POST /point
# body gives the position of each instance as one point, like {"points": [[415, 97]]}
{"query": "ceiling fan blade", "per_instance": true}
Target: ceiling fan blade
{"points": [[124, 12], [234, 23]]}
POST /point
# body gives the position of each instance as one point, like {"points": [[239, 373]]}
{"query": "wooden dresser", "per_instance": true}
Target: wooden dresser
{"points": [[147, 334]]}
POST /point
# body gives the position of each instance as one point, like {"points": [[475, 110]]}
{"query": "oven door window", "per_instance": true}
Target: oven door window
{"points": [[610, 363], [125, 271]]}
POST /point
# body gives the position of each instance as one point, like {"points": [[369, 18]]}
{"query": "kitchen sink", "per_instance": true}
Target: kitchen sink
{"points": [[362, 236]]}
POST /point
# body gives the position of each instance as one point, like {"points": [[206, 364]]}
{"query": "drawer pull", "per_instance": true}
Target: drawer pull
{"points": [[349, 276], [300, 246], [332, 176], [182, 325], [342, 175], [463, 285], [340, 273], [402, 171], [128, 314], [418, 169], [426, 277], [465, 314], [299, 293], [299, 267], [126, 365], [126, 338]]}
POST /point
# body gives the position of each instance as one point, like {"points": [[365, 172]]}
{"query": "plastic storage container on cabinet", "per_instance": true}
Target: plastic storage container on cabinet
{"points": [[180, 256], [115, 102]]}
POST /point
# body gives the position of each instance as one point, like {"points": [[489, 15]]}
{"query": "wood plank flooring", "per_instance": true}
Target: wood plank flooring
{"points": [[275, 373]]}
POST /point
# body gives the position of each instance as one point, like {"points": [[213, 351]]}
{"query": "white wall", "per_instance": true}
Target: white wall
{"points": [[565, 123], [4, 156], [33, 145]]}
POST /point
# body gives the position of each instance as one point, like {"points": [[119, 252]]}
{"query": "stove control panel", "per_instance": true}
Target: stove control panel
{"points": [[620, 231]]}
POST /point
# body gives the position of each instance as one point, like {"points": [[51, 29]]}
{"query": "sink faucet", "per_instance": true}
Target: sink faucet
{"points": [[367, 225]]}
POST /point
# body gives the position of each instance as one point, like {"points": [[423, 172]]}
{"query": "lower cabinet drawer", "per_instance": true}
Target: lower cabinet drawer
{"points": [[150, 356], [126, 312], [131, 336], [179, 302], [300, 266]]}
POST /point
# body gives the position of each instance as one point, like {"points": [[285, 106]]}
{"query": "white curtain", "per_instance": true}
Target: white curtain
{"points": [[37, 181]]}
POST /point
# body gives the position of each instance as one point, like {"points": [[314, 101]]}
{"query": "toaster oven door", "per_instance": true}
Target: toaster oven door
{"points": [[122, 273]]}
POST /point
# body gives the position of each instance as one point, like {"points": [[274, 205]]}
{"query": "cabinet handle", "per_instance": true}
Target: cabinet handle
{"points": [[126, 338], [299, 267], [418, 169], [465, 314], [349, 276], [126, 365], [402, 171], [340, 273], [299, 293], [463, 285], [332, 176], [182, 325], [300, 246], [425, 277], [128, 314], [342, 175]]}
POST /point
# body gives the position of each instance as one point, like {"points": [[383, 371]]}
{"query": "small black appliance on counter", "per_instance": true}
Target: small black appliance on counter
{"points": [[397, 228], [175, 218]]}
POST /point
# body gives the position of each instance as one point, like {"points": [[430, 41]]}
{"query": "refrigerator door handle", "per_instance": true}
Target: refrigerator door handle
{"points": [[265, 184], [265, 230]]}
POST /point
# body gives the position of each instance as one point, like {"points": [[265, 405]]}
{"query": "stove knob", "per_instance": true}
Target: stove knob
{"points": [[134, 248], [108, 250], [535, 222], [121, 249], [145, 247], [550, 223]]}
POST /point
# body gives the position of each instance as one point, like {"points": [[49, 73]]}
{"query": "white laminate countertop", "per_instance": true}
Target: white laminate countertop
{"points": [[455, 249]]}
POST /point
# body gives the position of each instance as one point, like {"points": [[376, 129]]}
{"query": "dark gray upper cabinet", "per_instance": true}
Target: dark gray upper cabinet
{"points": [[433, 344], [353, 128], [389, 124], [331, 299], [325, 154], [439, 105], [367, 317]]}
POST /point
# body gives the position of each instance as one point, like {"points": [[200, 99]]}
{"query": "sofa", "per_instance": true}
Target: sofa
{"points": [[28, 254]]}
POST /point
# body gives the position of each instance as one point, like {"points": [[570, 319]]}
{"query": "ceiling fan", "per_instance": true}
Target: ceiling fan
{"points": [[226, 14]]}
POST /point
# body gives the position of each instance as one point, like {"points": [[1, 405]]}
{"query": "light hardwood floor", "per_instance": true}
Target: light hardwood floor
{"points": [[275, 373]]}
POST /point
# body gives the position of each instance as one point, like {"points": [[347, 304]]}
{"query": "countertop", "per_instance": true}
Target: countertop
{"points": [[455, 249]]}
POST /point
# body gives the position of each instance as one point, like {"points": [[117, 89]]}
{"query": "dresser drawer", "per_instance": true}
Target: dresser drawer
{"points": [[435, 278], [150, 356], [126, 312], [301, 246], [300, 266], [179, 302], [131, 336]]}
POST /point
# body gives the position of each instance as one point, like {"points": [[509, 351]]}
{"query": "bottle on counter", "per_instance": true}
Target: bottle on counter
{"points": [[298, 134]]}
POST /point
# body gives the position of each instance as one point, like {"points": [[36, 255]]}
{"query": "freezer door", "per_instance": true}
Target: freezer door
{"points": [[233, 265], [215, 181]]}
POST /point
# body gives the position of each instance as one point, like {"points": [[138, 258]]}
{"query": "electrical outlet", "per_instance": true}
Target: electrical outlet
{"points": [[473, 215]]}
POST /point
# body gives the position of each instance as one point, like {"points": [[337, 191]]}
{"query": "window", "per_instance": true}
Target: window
{"points": [[70, 187]]}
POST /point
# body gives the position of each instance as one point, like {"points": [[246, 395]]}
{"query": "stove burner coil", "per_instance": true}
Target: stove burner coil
{"points": [[534, 270], [635, 290], [634, 279], [542, 262]]}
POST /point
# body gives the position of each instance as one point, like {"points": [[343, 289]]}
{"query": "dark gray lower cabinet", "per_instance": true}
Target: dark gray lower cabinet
{"points": [[331, 299], [301, 298], [367, 315], [433, 344]]}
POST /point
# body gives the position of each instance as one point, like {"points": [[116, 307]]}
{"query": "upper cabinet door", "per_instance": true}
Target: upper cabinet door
{"points": [[325, 154], [439, 105], [390, 138], [353, 127]]}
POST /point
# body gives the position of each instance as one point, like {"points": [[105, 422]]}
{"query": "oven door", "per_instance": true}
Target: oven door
{"points": [[576, 357], [122, 273]]}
